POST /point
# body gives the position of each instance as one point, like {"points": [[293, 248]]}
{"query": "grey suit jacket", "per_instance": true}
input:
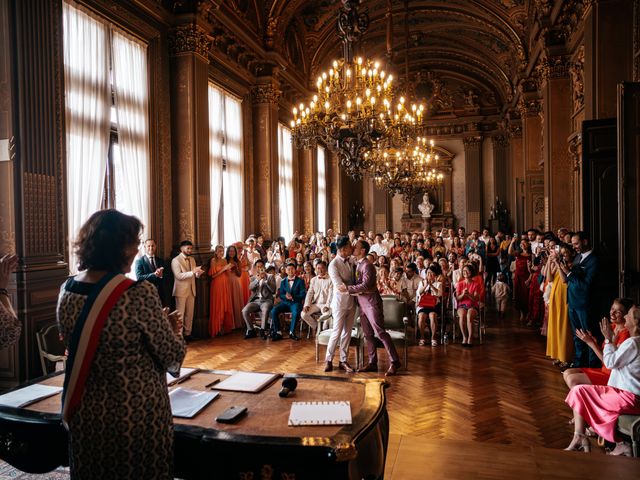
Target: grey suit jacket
{"points": [[262, 290]]}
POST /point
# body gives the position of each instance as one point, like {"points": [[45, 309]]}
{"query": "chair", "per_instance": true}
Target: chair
{"points": [[396, 322], [323, 333], [630, 426], [50, 347]]}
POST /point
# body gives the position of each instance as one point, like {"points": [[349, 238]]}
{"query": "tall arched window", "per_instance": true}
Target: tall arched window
{"points": [[285, 181]]}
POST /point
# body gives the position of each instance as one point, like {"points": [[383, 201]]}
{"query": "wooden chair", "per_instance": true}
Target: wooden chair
{"points": [[396, 322], [323, 333], [50, 347]]}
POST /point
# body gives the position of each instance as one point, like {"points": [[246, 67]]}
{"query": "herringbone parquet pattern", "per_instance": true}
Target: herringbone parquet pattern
{"points": [[505, 391]]}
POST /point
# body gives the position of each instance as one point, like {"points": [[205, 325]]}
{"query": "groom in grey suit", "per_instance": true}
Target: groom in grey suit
{"points": [[262, 287], [342, 306]]}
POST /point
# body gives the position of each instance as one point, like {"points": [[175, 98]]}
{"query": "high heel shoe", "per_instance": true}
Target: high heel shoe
{"points": [[579, 443], [622, 449]]}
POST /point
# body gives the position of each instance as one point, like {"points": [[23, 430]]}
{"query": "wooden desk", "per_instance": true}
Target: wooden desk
{"points": [[260, 445]]}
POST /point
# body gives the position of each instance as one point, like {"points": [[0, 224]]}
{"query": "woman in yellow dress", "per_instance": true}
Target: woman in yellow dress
{"points": [[559, 334], [220, 307]]}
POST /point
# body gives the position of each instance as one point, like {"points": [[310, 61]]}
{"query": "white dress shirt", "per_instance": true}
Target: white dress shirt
{"points": [[624, 363]]}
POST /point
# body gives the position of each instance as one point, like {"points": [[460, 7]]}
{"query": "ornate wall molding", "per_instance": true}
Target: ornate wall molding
{"points": [[472, 142], [576, 70], [500, 141], [554, 67], [189, 38], [530, 108]]}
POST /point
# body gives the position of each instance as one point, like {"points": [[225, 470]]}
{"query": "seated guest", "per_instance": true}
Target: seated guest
{"points": [[410, 283], [262, 288], [318, 299], [395, 282], [379, 248], [422, 251], [151, 268], [600, 376], [119, 419], [439, 248], [383, 281], [421, 267], [292, 294], [307, 274], [468, 300], [429, 294], [10, 326], [599, 406]]}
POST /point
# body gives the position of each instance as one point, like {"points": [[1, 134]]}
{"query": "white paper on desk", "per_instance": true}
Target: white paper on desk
{"points": [[186, 403], [28, 395], [320, 413], [184, 373], [246, 382]]}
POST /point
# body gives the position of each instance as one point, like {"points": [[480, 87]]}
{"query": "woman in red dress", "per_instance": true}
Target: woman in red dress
{"points": [[244, 265], [521, 274], [468, 299], [220, 307]]}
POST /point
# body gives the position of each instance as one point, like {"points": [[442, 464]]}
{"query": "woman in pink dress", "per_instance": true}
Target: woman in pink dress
{"points": [[521, 275], [599, 406]]}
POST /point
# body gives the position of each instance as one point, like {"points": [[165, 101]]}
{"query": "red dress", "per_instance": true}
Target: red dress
{"points": [[536, 302], [600, 376], [520, 289], [220, 307]]}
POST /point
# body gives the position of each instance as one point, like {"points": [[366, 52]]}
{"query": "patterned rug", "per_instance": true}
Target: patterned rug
{"points": [[7, 472]]}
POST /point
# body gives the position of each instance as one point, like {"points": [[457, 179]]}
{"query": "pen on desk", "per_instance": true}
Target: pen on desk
{"points": [[208, 385]]}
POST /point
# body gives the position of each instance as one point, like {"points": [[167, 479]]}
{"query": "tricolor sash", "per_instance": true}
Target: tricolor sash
{"points": [[85, 338]]}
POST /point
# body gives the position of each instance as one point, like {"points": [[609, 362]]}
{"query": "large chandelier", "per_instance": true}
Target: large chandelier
{"points": [[407, 170], [355, 110]]}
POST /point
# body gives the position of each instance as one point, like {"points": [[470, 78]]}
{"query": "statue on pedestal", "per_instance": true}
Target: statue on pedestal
{"points": [[426, 207]]}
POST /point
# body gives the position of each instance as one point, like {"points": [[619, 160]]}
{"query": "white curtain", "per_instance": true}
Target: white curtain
{"points": [[285, 181], [131, 156], [216, 155], [322, 191], [87, 102], [232, 176]]}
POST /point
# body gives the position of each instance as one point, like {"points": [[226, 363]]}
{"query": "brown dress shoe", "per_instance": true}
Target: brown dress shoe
{"points": [[369, 367], [346, 367], [328, 367], [393, 369]]}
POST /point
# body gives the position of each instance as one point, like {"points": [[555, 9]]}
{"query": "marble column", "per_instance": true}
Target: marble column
{"points": [[189, 80], [532, 209], [265, 96], [33, 221], [306, 200], [188, 48], [473, 181], [558, 169]]}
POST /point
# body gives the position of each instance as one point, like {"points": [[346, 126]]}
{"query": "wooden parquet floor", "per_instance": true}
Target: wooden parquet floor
{"points": [[505, 391]]}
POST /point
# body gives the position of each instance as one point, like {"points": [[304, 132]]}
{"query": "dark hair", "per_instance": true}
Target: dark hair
{"points": [[413, 267], [321, 262], [104, 239], [343, 241], [271, 268], [364, 244], [435, 268], [581, 235], [235, 257], [186, 243], [626, 303], [255, 264]]}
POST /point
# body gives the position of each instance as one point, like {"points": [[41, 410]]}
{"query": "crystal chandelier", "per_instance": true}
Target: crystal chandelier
{"points": [[408, 170], [355, 110]]}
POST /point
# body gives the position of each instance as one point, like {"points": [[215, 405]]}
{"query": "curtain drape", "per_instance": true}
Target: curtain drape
{"points": [[87, 102], [232, 176], [322, 190], [216, 155], [131, 159], [285, 181]]}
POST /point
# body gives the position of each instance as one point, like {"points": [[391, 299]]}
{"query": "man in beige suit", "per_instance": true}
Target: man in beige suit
{"points": [[185, 273]]}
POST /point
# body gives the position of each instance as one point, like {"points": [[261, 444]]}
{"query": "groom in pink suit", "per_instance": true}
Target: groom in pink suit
{"points": [[371, 314]]}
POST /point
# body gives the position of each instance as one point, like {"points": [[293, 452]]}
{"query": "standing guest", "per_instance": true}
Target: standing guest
{"points": [[521, 274], [10, 326], [318, 298], [600, 405], [244, 266], [121, 424], [252, 253], [468, 301], [260, 247], [262, 287], [185, 273], [429, 296], [371, 315], [485, 236], [342, 306], [151, 268], [493, 263], [535, 313], [559, 334], [237, 301], [501, 292], [220, 305], [600, 376], [504, 259], [275, 255], [292, 294], [580, 280]]}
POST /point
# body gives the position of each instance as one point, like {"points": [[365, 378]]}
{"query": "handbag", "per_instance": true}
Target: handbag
{"points": [[427, 300]]}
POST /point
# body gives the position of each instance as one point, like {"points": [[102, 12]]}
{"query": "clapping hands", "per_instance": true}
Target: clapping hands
{"points": [[605, 328], [586, 337]]}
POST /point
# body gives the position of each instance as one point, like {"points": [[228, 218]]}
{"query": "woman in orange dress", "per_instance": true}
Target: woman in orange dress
{"points": [[245, 266], [234, 286], [220, 308]]}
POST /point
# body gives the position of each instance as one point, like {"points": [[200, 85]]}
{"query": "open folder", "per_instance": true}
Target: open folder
{"points": [[186, 403], [28, 395], [249, 382], [320, 413]]}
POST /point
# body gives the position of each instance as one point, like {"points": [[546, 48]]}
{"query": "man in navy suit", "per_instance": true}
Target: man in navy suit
{"points": [[151, 268], [581, 279], [292, 293]]}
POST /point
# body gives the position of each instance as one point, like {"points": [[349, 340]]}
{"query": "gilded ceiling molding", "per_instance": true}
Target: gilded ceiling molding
{"points": [[472, 142], [554, 67], [530, 108], [189, 38]]}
